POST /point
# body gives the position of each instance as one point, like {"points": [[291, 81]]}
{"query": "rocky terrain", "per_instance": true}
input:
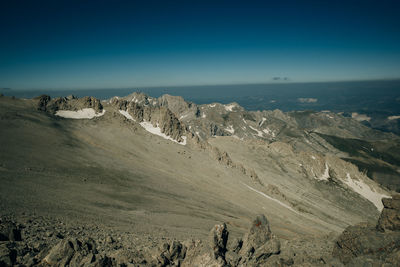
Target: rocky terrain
{"points": [[136, 180], [40, 241]]}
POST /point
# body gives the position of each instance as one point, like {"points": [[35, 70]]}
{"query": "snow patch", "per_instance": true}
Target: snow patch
{"points": [[393, 118], [86, 113], [259, 133], [157, 131], [203, 116], [263, 120], [307, 100], [365, 190], [269, 132], [271, 198], [360, 117], [325, 176], [126, 114], [329, 116], [134, 99], [212, 105], [229, 107], [230, 129], [313, 157], [183, 116]]}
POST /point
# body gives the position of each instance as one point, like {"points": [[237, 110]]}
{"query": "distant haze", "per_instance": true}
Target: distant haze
{"points": [[369, 97]]}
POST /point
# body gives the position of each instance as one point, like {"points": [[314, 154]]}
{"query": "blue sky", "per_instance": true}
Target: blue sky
{"points": [[114, 44]]}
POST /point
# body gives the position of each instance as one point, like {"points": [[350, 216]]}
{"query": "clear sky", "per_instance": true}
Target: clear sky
{"points": [[106, 44]]}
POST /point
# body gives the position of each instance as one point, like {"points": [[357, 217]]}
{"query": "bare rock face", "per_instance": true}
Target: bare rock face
{"points": [[210, 254], [8, 254], [160, 116], [218, 239], [177, 104], [9, 231], [170, 125], [170, 254], [71, 252], [258, 234], [390, 216], [254, 249], [367, 244], [69, 103], [43, 100], [259, 243]]}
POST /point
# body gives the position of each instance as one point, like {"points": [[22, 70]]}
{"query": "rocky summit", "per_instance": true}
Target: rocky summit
{"points": [[144, 181]]}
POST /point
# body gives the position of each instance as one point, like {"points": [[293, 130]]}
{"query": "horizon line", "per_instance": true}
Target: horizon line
{"points": [[287, 82]]}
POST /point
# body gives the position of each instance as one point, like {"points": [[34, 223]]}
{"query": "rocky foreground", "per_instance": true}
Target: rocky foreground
{"points": [[41, 241]]}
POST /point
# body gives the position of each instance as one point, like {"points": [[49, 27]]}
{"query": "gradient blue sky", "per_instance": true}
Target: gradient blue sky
{"points": [[113, 44]]}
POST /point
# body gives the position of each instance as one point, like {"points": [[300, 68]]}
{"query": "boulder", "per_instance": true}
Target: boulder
{"points": [[258, 234], [258, 243], [365, 241], [72, 252], [170, 254], [218, 239], [8, 255], [9, 232], [390, 216]]}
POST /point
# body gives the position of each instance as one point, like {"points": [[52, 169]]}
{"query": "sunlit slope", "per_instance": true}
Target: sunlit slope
{"points": [[110, 170]]}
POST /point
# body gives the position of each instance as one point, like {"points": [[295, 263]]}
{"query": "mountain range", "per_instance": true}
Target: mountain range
{"points": [[152, 170]]}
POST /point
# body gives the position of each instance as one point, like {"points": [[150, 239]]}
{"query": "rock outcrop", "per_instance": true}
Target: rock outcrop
{"points": [[372, 245], [43, 100], [158, 116], [170, 254], [254, 249], [258, 243], [390, 216], [45, 103], [218, 239], [9, 231], [72, 252]]}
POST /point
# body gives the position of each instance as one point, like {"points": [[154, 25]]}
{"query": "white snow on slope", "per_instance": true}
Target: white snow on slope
{"points": [[263, 120], [307, 100], [203, 116], [325, 176], [157, 131], [364, 190], [212, 105], [271, 198], [230, 129], [126, 114], [229, 107], [360, 117], [259, 133], [86, 113], [269, 132], [393, 117]]}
